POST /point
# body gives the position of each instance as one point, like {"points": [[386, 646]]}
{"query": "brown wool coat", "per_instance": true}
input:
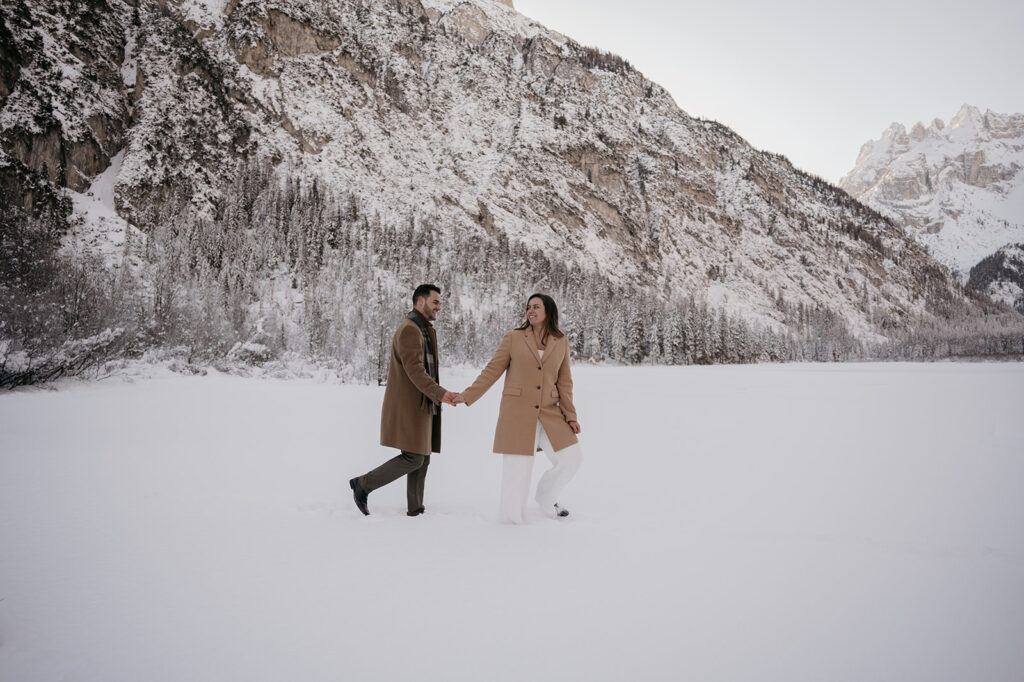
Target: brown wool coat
{"points": [[535, 388], [405, 419]]}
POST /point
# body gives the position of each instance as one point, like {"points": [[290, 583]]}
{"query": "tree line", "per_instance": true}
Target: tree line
{"points": [[283, 270]]}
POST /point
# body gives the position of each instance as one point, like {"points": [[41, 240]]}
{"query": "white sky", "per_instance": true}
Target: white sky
{"points": [[811, 80]]}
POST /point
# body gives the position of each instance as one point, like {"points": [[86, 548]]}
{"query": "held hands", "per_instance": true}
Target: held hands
{"points": [[453, 399]]}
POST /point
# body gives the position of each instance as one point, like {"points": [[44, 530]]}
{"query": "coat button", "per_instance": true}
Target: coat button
{"points": [[538, 388], [536, 407], [538, 368]]}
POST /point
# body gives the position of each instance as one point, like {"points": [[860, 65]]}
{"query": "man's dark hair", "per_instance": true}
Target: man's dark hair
{"points": [[424, 290]]}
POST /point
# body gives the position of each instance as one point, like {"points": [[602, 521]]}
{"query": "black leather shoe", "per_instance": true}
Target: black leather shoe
{"points": [[416, 512], [359, 496], [561, 511]]}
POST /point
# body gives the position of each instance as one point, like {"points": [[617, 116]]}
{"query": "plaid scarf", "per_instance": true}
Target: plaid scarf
{"points": [[428, 356]]}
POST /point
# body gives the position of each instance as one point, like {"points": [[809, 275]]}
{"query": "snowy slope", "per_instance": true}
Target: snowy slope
{"points": [[472, 118], [98, 231], [958, 188], [861, 525]]}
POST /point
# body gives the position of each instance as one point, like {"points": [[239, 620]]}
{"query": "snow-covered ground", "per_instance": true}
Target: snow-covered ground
{"points": [[797, 522]]}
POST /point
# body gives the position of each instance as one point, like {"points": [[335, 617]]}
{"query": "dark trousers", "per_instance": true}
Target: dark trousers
{"points": [[408, 464]]}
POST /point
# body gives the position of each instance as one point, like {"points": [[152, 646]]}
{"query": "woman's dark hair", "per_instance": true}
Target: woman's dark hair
{"points": [[551, 311]]}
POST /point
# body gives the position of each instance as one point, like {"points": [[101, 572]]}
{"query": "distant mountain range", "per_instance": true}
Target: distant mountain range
{"points": [[958, 188]]}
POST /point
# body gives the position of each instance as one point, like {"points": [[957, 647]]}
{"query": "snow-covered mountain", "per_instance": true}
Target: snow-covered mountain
{"points": [[958, 188], [462, 117]]}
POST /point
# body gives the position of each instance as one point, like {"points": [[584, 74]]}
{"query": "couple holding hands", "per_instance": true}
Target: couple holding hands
{"points": [[536, 410]]}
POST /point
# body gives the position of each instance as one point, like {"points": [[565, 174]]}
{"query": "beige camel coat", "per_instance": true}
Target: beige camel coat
{"points": [[405, 419], [535, 388]]}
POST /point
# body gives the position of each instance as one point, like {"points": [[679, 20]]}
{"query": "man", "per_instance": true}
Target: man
{"points": [[410, 418]]}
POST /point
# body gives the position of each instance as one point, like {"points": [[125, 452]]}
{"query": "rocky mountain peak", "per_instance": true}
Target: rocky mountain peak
{"points": [[895, 132], [958, 188], [967, 115]]}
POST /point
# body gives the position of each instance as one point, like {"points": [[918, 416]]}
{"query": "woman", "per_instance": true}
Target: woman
{"points": [[536, 409]]}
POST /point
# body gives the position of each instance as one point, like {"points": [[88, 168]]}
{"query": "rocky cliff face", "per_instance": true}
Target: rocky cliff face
{"points": [[466, 115], [958, 188], [64, 107]]}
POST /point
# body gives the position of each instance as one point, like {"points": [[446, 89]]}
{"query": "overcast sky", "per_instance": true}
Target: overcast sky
{"points": [[810, 80]]}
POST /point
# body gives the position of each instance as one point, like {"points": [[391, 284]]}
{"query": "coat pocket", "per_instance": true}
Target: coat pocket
{"points": [[512, 390]]}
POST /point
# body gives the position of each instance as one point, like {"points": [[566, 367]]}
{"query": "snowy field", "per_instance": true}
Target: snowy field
{"points": [[794, 523]]}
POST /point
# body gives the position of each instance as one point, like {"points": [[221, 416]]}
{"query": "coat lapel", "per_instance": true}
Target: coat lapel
{"points": [[528, 337], [532, 343], [549, 351]]}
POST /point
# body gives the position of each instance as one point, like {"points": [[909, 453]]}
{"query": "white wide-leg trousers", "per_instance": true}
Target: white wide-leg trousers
{"points": [[517, 471]]}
